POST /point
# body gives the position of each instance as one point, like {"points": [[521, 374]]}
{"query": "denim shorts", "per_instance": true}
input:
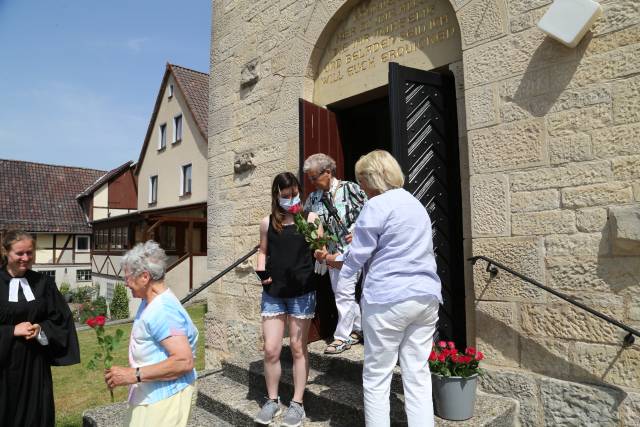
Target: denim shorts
{"points": [[302, 307]]}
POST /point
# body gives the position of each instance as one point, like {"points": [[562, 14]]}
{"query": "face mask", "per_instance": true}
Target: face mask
{"points": [[287, 204]]}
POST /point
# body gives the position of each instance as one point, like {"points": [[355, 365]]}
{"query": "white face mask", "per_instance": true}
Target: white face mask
{"points": [[287, 204]]}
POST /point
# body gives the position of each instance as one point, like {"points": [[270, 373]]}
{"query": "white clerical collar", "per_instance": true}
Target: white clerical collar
{"points": [[26, 289]]}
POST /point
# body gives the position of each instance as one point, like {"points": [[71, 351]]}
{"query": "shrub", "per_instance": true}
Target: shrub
{"points": [[65, 288], [99, 306], [83, 294], [120, 302]]}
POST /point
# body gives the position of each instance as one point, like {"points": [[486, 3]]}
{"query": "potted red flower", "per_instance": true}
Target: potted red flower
{"points": [[454, 380]]}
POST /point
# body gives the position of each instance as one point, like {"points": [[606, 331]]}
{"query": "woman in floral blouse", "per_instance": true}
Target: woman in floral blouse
{"points": [[348, 199]]}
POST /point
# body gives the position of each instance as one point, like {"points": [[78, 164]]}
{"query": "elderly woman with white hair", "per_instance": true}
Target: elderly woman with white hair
{"points": [[345, 199], [162, 348], [401, 291]]}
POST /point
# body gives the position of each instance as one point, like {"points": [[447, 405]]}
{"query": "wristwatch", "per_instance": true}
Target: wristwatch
{"points": [[138, 375]]}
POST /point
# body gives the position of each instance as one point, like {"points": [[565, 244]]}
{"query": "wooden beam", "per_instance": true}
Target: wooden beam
{"points": [[178, 218]]}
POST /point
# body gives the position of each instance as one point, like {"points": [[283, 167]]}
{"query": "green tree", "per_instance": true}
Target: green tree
{"points": [[120, 302]]}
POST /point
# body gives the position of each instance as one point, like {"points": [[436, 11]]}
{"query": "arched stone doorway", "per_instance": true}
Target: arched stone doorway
{"points": [[384, 76]]}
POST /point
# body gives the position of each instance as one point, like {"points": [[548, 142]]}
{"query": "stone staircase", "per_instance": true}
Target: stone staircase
{"points": [[333, 397]]}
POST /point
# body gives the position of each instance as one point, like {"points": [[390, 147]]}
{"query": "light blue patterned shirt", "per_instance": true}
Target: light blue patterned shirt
{"points": [[163, 318]]}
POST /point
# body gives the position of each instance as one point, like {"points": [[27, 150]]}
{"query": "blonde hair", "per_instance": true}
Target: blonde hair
{"points": [[380, 171], [11, 237]]}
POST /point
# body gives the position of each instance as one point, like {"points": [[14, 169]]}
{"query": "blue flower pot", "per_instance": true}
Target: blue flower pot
{"points": [[454, 398]]}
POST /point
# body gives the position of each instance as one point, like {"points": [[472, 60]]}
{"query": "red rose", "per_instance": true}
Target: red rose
{"points": [[295, 209], [479, 356], [470, 351], [442, 344], [454, 351], [451, 345], [100, 320], [91, 322], [442, 358], [433, 356], [467, 359]]}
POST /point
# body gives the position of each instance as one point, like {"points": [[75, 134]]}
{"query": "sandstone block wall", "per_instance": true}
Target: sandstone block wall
{"points": [[550, 145]]}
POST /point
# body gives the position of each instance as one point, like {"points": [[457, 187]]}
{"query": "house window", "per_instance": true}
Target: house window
{"points": [[153, 189], [82, 243], [162, 136], [50, 273], [177, 128], [83, 275], [185, 180], [170, 91], [167, 237], [101, 240]]}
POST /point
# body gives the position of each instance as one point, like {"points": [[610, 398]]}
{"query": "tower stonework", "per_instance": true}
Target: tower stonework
{"points": [[549, 163]]}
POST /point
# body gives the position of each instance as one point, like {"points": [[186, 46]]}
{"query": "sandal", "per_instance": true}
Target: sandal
{"points": [[337, 346], [355, 337]]}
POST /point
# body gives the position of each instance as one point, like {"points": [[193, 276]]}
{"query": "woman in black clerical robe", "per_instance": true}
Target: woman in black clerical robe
{"points": [[36, 332]]}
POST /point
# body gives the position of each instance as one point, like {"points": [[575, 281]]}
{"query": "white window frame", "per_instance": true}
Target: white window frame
{"points": [[176, 119], [162, 136], [170, 90], [183, 179], [153, 190], [84, 277], [88, 243]]}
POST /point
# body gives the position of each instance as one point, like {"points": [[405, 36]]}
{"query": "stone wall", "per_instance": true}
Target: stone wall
{"points": [[550, 143]]}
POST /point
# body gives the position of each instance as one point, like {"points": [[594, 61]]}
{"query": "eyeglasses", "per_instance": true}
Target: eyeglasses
{"points": [[313, 178]]}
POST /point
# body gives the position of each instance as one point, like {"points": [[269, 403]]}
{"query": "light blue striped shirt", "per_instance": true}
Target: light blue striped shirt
{"points": [[392, 241], [163, 318]]}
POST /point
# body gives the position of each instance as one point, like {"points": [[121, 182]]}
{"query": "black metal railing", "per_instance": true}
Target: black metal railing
{"points": [[492, 269], [218, 276]]}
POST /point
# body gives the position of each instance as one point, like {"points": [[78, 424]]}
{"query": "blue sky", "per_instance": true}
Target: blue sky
{"points": [[79, 78]]}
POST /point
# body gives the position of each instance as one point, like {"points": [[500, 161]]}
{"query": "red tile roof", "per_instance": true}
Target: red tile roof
{"points": [[37, 197], [194, 85], [104, 178]]}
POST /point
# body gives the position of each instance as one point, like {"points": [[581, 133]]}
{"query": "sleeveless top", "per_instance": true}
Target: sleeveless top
{"points": [[290, 262]]}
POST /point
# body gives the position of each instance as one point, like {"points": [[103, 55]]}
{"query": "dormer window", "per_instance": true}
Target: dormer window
{"points": [[170, 91]]}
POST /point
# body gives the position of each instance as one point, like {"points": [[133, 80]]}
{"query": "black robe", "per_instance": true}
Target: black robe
{"points": [[26, 387]]}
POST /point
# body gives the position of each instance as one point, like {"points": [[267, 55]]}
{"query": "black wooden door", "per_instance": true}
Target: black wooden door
{"points": [[425, 142]]}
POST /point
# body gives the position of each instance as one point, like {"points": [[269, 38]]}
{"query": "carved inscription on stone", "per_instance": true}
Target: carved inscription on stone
{"points": [[419, 33]]}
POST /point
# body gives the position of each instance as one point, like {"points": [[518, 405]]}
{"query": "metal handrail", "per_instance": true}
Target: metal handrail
{"points": [[209, 282], [492, 269]]}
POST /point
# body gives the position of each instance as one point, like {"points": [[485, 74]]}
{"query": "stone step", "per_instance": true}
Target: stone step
{"points": [[347, 365], [236, 403], [327, 396], [113, 415]]}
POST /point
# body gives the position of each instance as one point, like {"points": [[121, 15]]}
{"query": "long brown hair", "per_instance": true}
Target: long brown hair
{"points": [[280, 182], [9, 238]]}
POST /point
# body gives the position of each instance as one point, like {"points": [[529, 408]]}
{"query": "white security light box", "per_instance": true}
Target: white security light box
{"points": [[568, 20]]}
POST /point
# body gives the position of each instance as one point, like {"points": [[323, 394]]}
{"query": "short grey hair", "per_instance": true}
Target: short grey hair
{"points": [[319, 162], [147, 256]]}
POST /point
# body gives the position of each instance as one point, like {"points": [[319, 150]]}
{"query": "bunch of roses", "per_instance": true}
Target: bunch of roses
{"points": [[445, 360], [310, 230]]}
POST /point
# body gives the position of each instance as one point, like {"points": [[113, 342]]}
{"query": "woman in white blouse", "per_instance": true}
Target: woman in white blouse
{"points": [[401, 291]]}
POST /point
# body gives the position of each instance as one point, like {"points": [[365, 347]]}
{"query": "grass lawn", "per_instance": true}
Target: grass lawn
{"points": [[77, 388]]}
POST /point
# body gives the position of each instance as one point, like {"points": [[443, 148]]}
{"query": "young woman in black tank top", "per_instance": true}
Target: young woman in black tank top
{"points": [[288, 296]]}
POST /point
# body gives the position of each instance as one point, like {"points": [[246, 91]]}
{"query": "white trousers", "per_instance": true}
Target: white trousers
{"points": [[349, 317], [403, 329]]}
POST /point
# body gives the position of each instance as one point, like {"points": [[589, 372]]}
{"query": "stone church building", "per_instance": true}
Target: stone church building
{"points": [[522, 150]]}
